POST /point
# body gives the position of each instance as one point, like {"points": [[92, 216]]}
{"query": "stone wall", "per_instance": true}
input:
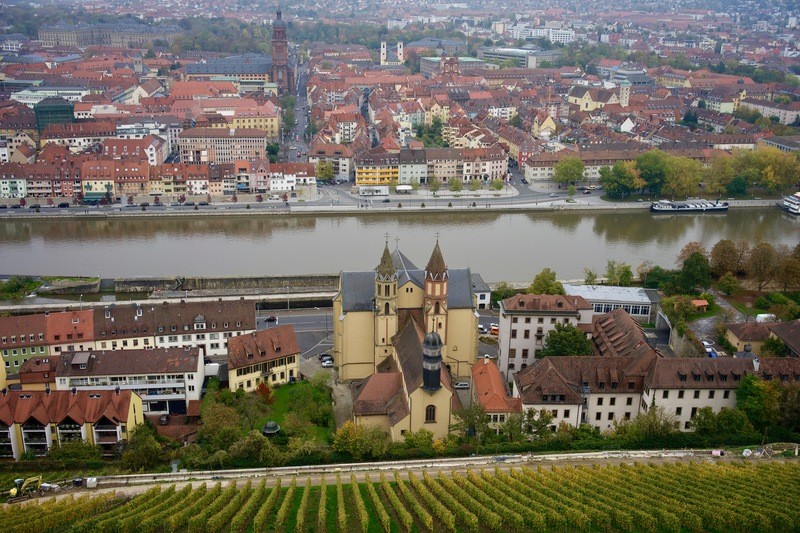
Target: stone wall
{"points": [[266, 284]]}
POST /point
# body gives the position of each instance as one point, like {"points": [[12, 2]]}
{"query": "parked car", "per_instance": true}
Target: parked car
{"points": [[481, 328], [322, 356], [203, 204], [34, 206], [271, 318], [462, 385], [327, 363], [707, 343], [63, 205], [523, 180], [164, 420], [144, 204], [3, 206], [189, 204], [553, 195], [587, 191]]}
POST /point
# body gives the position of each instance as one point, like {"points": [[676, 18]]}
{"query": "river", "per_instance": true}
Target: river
{"points": [[501, 247]]}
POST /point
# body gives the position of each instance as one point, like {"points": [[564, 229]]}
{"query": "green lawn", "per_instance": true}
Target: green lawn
{"points": [[285, 399]]}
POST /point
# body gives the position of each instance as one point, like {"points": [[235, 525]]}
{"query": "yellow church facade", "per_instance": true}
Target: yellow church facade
{"points": [[383, 321]]}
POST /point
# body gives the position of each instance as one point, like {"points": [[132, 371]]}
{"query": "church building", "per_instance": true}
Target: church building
{"points": [[281, 72], [403, 336]]}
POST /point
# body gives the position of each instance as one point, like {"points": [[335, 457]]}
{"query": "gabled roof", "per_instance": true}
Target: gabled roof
{"points": [[381, 394], [490, 391], [789, 333], [261, 346], [17, 407], [751, 331], [616, 334]]}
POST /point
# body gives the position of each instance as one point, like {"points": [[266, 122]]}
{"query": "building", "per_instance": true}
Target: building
{"points": [[22, 337], [489, 390], [752, 334], [641, 304], [35, 421], [341, 157], [377, 168], [392, 60], [282, 73], [374, 306], [270, 356], [122, 35], [166, 379], [53, 110], [520, 57], [216, 145], [526, 319], [249, 71], [448, 47], [34, 95]]}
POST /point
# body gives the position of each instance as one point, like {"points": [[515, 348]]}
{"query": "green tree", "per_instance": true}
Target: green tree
{"points": [[472, 421], [455, 184], [422, 440], [475, 185], [142, 451], [696, 272], [682, 177], [538, 423], [774, 347], [759, 400], [75, 450], [762, 264], [516, 121], [691, 247], [545, 283], [618, 274], [324, 171], [496, 184], [568, 170], [361, 442], [728, 283], [221, 425], [565, 339], [434, 184], [719, 174], [787, 274], [621, 180], [590, 277], [652, 167]]}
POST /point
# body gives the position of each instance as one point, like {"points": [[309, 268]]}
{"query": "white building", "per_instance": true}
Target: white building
{"points": [[166, 379], [526, 319], [641, 304], [34, 95]]}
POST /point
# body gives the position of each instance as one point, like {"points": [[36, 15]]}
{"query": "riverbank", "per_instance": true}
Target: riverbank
{"points": [[461, 204]]}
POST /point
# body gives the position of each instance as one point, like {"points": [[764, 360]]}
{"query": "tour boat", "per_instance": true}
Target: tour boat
{"points": [[791, 204], [690, 206]]}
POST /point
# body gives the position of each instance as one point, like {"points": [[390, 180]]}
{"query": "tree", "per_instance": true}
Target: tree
{"points": [[787, 274], [234, 198], [23, 202], [545, 283], [621, 180], [516, 121], [265, 392], [696, 272], [537, 423], [568, 170], [719, 174], [724, 257], [475, 185], [682, 176], [324, 171], [221, 425], [472, 421], [130, 199], [691, 247], [565, 339], [182, 199], [422, 440], [590, 277], [619, 274], [774, 347], [759, 400], [361, 442], [142, 451], [496, 184], [762, 265], [434, 185], [728, 283], [455, 184], [652, 167]]}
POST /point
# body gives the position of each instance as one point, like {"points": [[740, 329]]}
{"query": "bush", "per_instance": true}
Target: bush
{"points": [[423, 204], [75, 450]]}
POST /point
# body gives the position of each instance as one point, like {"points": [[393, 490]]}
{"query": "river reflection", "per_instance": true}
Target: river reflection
{"points": [[511, 247]]}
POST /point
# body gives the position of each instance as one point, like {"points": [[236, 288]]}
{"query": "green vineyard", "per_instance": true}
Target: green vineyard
{"points": [[672, 497]]}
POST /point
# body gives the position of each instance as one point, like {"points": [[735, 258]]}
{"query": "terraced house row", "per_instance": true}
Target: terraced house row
{"points": [[206, 325]]}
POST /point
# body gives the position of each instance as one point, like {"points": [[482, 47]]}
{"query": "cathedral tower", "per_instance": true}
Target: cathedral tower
{"points": [[385, 306], [281, 73], [436, 294]]}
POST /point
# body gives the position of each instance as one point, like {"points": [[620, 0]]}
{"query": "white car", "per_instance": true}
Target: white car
{"points": [[481, 328], [462, 385], [327, 363], [493, 325], [707, 343]]}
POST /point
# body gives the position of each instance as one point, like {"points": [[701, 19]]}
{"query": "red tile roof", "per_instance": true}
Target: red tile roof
{"points": [[490, 390], [260, 346], [53, 407]]}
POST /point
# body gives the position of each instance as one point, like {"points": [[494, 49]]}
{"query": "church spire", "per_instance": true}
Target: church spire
{"points": [[386, 268], [436, 269]]}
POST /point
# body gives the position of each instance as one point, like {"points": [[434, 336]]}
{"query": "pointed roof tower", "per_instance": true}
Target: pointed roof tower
{"points": [[386, 270], [436, 269]]}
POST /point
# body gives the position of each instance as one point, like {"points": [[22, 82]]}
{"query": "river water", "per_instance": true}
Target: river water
{"points": [[501, 247]]}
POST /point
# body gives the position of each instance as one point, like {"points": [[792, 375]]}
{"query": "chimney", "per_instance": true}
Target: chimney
{"points": [[756, 364], [47, 390], [116, 390], [748, 347], [74, 391], [5, 391]]}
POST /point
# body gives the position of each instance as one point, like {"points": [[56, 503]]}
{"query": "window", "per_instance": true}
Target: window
{"points": [[611, 415], [566, 413], [612, 401], [629, 401], [191, 388], [430, 414], [694, 412], [696, 394], [597, 416], [513, 334], [524, 353], [514, 320], [526, 334], [512, 353], [711, 395], [726, 394], [540, 321], [555, 413], [600, 401], [628, 416], [680, 395], [665, 394], [630, 385], [678, 411]]}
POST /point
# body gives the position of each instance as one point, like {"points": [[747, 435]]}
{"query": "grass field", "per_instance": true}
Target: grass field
{"points": [[670, 497]]}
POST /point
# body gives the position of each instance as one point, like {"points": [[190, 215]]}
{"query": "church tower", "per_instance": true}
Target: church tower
{"points": [[624, 93], [432, 362], [435, 307], [281, 73], [385, 306]]}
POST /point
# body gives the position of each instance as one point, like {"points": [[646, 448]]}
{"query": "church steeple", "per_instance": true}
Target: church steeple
{"points": [[435, 299], [436, 269], [386, 270], [385, 304]]}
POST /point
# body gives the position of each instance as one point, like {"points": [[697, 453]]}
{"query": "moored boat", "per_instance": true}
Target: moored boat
{"points": [[791, 204], [690, 206]]}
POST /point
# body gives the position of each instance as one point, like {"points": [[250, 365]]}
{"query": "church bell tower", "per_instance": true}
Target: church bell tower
{"points": [[281, 73], [436, 294], [385, 306]]}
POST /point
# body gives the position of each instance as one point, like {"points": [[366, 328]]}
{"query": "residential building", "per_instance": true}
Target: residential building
{"points": [[215, 145], [35, 421], [270, 356], [341, 157], [166, 379], [377, 168], [742, 335], [786, 113], [123, 35], [34, 95], [789, 334], [489, 390], [526, 319], [21, 337]]}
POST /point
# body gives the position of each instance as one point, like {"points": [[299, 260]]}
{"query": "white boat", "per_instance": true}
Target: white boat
{"points": [[692, 206], [791, 204]]}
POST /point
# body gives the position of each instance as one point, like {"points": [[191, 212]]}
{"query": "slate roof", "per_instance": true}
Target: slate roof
{"points": [[789, 333], [698, 372], [751, 331], [617, 334], [129, 362], [243, 64], [381, 394]]}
